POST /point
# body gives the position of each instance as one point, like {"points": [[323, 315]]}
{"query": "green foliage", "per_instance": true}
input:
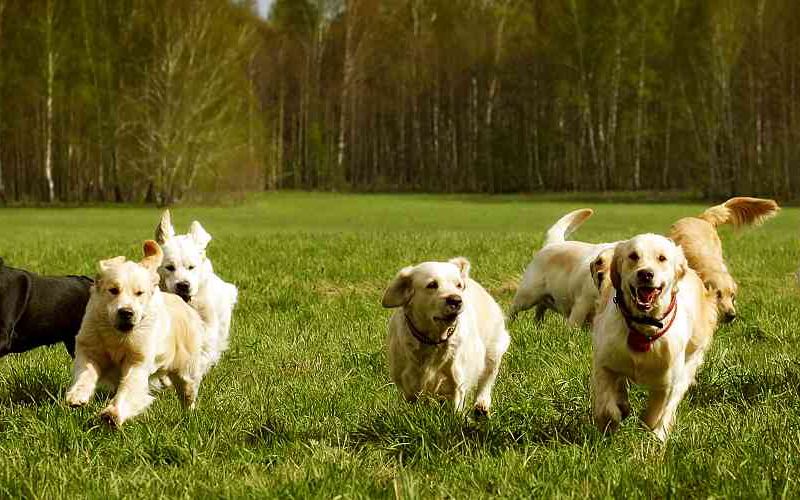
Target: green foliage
{"points": [[149, 97], [301, 405]]}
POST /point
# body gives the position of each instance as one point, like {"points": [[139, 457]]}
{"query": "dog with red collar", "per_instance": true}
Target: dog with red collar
{"points": [[447, 335], [653, 327]]}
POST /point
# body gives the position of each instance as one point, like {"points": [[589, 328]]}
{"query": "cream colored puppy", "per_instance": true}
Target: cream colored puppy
{"points": [[653, 327], [131, 332], [559, 276], [187, 272], [447, 336]]}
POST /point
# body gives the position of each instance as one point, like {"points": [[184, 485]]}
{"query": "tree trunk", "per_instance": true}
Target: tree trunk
{"points": [[637, 163], [48, 160]]}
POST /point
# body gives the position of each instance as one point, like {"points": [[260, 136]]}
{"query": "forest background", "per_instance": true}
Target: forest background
{"points": [[167, 100]]}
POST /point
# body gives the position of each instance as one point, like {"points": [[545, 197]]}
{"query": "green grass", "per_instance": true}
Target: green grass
{"points": [[301, 405]]}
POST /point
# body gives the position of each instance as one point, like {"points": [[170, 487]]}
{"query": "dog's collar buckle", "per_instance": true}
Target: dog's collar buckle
{"points": [[424, 339]]}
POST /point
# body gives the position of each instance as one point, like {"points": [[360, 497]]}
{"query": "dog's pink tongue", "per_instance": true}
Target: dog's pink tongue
{"points": [[646, 295]]}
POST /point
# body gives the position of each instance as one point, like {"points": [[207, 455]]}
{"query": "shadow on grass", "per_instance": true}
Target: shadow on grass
{"points": [[744, 390], [419, 434], [36, 388]]}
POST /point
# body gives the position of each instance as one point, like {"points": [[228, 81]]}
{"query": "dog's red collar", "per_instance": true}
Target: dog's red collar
{"points": [[638, 341], [424, 339]]}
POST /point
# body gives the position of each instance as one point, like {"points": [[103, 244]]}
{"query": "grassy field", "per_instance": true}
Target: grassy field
{"points": [[301, 405]]}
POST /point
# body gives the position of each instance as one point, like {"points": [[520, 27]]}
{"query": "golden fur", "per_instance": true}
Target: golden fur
{"points": [[669, 368], [435, 297], [703, 248], [133, 332]]}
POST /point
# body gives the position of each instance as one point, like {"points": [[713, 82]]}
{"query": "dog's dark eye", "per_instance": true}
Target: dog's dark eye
{"points": [[661, 258], [460, 285], [139, 293], [719, 295], [170, 268], [634, 256], [432, 285], [113, 291], [191, 267]]}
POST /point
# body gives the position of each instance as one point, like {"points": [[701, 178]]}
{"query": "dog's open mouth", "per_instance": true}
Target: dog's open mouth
{"points": [[646, 296], [447, 318]]}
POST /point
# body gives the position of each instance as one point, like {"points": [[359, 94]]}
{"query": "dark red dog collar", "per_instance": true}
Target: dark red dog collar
{"points": [[424, 339], [638, 341]]}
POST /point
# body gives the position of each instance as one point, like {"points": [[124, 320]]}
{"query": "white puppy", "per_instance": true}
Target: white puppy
{"points": [[447, 336], [188, 273], [559, 276], [652, 327], [131, 331]]}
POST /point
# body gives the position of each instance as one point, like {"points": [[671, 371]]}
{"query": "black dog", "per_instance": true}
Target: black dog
{"points": [[40, 310]]}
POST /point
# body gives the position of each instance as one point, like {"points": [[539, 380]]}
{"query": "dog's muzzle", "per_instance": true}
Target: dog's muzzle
{"points": [[124, 321]]}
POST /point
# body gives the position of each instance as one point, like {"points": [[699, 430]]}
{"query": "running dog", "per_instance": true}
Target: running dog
{"points": [[132, 332], [653, 327], [447, 335], [188, 273], [703, 249], [560, 275], [40, 310]]}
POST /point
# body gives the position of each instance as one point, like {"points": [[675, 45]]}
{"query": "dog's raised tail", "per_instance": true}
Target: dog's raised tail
{"points": [[567, 225], [741, 211]]}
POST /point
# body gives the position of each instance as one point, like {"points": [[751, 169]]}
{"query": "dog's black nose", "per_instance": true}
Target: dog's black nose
{"points": [[182, 287], [645, 275], [729, 316], [125, 314], [453, 301]]}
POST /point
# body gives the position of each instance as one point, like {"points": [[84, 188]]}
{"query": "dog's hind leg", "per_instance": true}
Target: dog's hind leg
{"points": [[187, 388], [523, 301], [580, 311]]}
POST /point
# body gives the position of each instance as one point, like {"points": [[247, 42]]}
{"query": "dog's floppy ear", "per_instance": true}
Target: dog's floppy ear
{"points": [[400, 290], [595, 277], [16, 291], [616, 267], [105, 265], [152, 255], [164, 229], [199, 235], [463, 266], [681, 264]]}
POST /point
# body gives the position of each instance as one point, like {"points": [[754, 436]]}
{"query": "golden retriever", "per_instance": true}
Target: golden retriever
{"points": [[133, 332], [559, 276], [447, 335], [703, 249], [653, 327]]}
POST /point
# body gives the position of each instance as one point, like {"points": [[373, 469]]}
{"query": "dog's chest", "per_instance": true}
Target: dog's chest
{"points": [[435, 372]]}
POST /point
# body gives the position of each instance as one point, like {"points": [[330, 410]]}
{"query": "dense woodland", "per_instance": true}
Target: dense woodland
{"points": [[132, 100]]}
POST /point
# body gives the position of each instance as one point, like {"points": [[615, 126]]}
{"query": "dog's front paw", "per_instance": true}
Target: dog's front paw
{"points": [[75, 398], [480, 411], [111, 417], [660, 433]]}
